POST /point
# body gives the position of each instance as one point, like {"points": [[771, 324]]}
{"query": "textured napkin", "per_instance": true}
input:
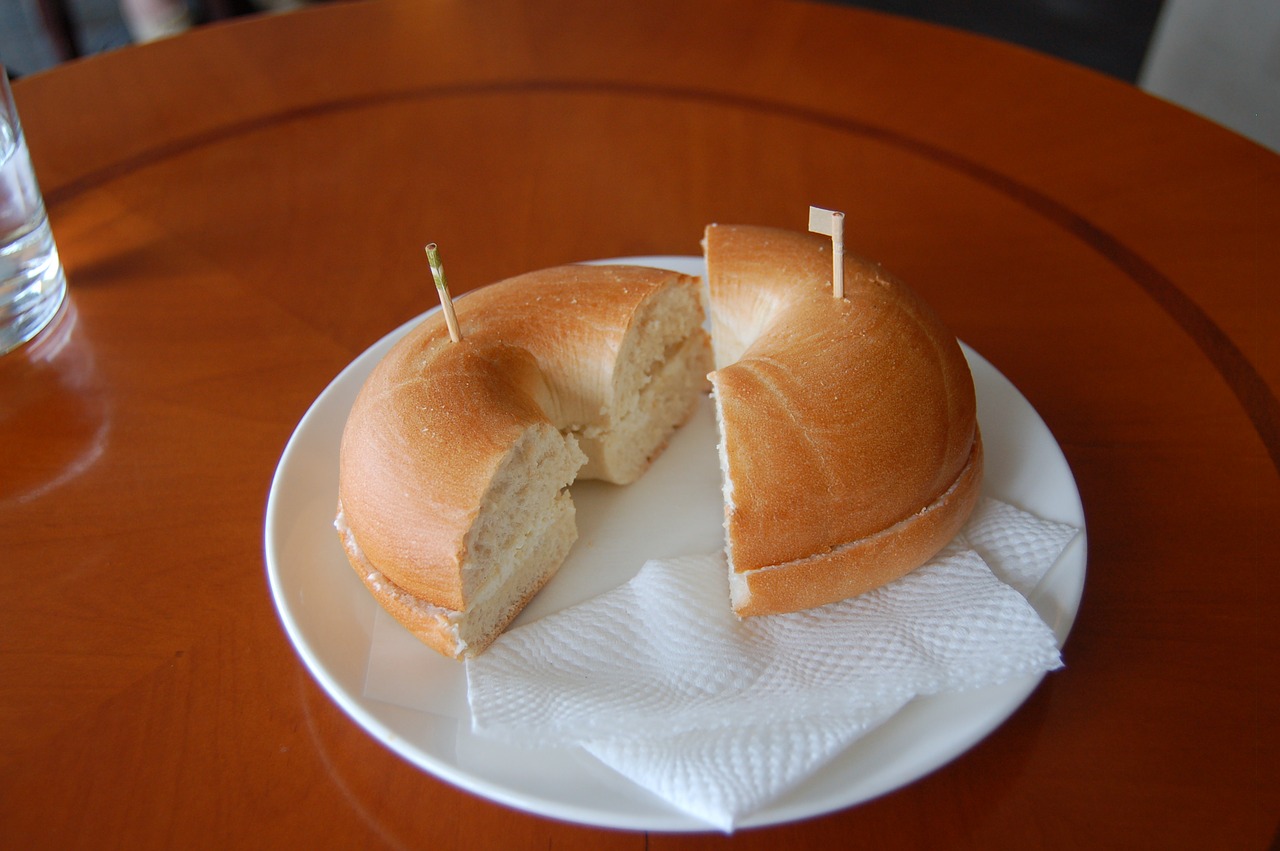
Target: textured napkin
{"points": [[719, 716]]}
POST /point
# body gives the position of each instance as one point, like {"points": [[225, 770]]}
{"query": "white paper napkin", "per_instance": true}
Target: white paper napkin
{"points": [[719, 716]]}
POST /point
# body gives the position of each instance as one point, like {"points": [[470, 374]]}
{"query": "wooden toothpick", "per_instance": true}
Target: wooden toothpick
{"points": [[831, 223], [442, 286]]}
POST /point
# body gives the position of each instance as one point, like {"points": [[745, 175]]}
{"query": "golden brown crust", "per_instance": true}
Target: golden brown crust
{"points": [[841, 418], [432, 625], [849, 425], [869, 562], [410, 485], [434, 419]]}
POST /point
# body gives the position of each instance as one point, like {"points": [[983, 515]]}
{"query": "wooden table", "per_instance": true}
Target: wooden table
{"points": [[242, 211]]}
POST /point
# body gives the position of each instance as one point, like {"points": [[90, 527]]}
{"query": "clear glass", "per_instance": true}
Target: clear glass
{"points": [[32, 283]]}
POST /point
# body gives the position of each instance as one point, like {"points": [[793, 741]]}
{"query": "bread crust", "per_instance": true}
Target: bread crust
{"points": [[429, 624], [434, 626], [435, 419], [866, 564], [415, 463], [848, 426], [844, 421]]}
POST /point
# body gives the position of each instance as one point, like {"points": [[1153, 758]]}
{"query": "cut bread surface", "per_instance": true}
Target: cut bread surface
{"points": [[849, 446], [456, 458]]}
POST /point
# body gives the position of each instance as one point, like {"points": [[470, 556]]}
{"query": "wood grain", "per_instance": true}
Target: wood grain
{"points": [[242, 211]]}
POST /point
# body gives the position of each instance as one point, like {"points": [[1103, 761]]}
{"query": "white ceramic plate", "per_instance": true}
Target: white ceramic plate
{"points": [[418, 709]]}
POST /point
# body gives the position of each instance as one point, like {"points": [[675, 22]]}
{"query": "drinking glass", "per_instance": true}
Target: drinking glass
{"points": [[32, 283]]}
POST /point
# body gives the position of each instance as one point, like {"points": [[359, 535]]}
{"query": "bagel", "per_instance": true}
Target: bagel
{"points": [[849, 441], [849, 444], [455, 458]]}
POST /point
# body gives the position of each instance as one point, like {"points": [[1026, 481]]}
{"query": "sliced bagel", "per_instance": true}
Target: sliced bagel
{"points": [[849, 439]]}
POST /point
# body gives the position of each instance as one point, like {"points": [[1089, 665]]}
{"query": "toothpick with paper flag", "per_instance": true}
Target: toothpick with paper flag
{"points": [[831, 223]]}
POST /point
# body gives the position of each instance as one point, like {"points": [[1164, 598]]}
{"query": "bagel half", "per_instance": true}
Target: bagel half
{"points": [[456, 457], [849, 438], [849, 442]]}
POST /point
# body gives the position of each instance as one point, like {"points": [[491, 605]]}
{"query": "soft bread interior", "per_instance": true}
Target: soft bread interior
{"points": [[660, 370], [737, 586], [525, 527], [617, 372], [523, 531], [632, 370], [446, 630]]}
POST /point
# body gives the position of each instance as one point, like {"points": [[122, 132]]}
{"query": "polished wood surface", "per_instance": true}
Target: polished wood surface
{"points": [[242, 211]]}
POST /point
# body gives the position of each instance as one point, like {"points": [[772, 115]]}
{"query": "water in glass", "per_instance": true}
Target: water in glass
{"points": [[32, 284]]}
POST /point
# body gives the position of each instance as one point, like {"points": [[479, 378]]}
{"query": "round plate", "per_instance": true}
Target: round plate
{"points": [[414, 701]]}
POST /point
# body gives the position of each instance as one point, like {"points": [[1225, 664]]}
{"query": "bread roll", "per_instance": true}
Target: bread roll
{"points": [[456, 457], [849, 438]]}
